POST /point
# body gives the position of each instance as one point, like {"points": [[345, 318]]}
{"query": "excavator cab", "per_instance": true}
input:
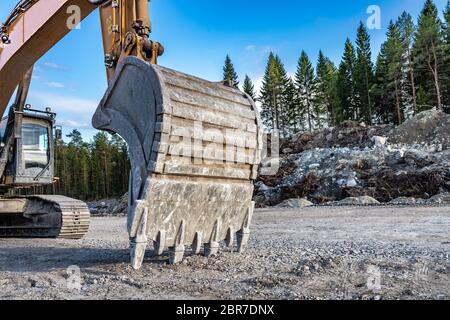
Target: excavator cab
{"points": [[27, 160], [31, 161]]}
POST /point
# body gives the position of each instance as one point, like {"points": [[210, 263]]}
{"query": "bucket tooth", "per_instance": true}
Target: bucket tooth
{"points": [[139, 244], [197, 245], [160, 243], [177, 252], [230, 237], [243, 235], [212, 247]]}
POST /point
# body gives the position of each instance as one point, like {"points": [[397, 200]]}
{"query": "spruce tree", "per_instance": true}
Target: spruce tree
{"points": [[389, 103], [229, 74], [306, 90], [348, 108], [273, 99], [292, 109], [363, 75], [394, 58], [447, 53], [406, 27], [249, 88], [326, 87], [379, 89], [429, 54]]}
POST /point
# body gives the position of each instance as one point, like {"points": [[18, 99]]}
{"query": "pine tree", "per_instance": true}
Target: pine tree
{"points": [[387, 90], [348, 108], [249, 88], [78, 158], [363, 75], [406, 27], [326, 87], [379, 89], [273, 96], [292, 108], [428, 52], [305, 82], [447, 52], [229, 74], [394, 52]]}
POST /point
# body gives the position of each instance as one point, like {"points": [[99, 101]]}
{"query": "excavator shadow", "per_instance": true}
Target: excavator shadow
{"points": [[28, 259]]}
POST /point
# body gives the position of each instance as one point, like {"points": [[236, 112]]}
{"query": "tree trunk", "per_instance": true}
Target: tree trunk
{"points": [[413, 84], [369, 100], [435, 73], [397, 103]]}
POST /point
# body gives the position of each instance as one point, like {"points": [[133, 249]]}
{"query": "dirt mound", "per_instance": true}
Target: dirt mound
{"points": [[352, 160], [430, 127], [349, 134]]}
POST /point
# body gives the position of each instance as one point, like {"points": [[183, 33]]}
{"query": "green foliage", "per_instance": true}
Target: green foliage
{"points": [[326, 87], [447, 53], [305, 81], [389, 74], [407, 29], [275, 104], [91, 171], [249, 88], [429, 54], [229, 74], [348, 107], [363, 75]]}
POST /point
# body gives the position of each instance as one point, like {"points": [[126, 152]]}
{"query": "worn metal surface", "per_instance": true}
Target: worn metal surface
{"points": [[195, 147], [43, 217]]}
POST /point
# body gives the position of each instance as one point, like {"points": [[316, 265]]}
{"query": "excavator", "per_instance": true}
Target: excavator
{"points": [[194, 145]]}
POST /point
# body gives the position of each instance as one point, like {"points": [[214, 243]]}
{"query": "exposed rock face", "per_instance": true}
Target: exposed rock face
{"points": [[113, 207], [352, 160], [430, 127]]}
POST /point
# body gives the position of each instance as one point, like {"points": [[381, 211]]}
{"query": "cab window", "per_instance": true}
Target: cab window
{"points": [[35, 146]]}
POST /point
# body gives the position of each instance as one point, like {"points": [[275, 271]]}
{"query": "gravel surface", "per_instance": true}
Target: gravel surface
{"points": [[309, 253]]}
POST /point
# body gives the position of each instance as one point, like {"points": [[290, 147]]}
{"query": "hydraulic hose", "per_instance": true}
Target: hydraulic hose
{"points": [[98, 2]]}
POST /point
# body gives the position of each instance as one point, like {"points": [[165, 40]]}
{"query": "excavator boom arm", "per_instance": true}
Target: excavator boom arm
{"points": [[35, 26], [31, 35]]}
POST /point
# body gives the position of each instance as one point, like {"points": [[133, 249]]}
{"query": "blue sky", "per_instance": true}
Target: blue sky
{"points": [[197, 34]]}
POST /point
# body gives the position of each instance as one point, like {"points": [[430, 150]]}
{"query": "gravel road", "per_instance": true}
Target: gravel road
{"points": [[313, 253]]}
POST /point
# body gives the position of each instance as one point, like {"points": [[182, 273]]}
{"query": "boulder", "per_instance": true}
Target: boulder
{"points": [[442, 198], [295, 203], [404, 201], [357, 201]]}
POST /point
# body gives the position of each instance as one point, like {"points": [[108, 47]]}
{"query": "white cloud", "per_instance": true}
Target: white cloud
{"points": [[74, 124], [75, 106], [250, 47], [53, 65], [55, 84]]}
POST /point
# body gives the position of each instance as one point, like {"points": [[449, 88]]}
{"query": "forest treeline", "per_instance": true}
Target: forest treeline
{"points": [[91, 171], [411, 74]]}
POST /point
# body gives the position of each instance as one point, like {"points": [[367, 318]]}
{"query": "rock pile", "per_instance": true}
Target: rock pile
{"points": [[385, 163]]}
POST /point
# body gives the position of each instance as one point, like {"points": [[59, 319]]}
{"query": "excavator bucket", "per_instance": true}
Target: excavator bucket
{"points": [[195, 147]]}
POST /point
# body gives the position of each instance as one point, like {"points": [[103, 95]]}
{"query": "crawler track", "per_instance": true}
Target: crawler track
{"points": [[67, 218]]}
